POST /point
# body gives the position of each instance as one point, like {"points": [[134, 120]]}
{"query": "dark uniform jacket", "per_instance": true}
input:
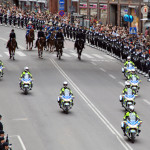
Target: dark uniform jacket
{"points": [[12, 35], [40, 34]]}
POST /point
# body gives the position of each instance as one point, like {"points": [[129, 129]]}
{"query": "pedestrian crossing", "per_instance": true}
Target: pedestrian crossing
{"points": [[92, 57], [19, 53]]}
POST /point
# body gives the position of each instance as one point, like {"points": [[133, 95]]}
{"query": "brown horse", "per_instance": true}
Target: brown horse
{"points": [[12, 48], [29, 39], [51, 43], [40, 45]]}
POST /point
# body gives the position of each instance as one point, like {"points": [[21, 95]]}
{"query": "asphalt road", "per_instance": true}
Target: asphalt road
{"points": [[35, 121]]}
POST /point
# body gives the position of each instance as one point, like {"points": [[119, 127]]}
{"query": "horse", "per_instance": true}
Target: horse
{"points": [[79, 46], [51, 43], [59, 46], [29, 39], [40, 45], [12, 48]]}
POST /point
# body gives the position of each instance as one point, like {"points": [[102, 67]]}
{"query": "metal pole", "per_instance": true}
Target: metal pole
{"points": [[88, 12], [98, 17]]}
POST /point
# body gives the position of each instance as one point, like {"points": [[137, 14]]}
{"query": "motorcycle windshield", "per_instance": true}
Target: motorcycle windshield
{"points": [[132, 119], [129, 65], [66, 94], [133, 78], [26, 77], [129, 91]]}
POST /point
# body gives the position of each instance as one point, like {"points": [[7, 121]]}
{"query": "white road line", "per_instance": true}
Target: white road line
{"points": [[102, 69], [74, 54], [7, 53], [20, 53], [3, 39], [93, 63], [109, 57], [21, 119], [121, 83], [21, 142], [21, 47], [66, 55], [88, 56], [93, 108], [1, 56], [112, 76], [98, 56], [146, 101]]}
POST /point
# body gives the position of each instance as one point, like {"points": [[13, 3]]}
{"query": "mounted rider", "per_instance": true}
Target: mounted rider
{"points": [[59, 35], [40, 34], [79, 37], [29, 27], [11, 36], [133, 73], [50, 30], [129, 61]]}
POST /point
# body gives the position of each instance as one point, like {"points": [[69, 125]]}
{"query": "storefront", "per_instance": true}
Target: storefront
{"points": [[83, 8], [103, 13]]}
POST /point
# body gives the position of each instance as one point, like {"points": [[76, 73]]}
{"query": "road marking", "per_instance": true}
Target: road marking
{"points": [[7, 53], [102, 69], [66, 55], [21, 142], [21, 119], [88, 56], [98, 56], [112, 76], [1, 56], [93, 107], [20, 53], [146, 101], [109, 57], [21, 47], [3, 39], [121, 83], [74, 54], [93, 63]]}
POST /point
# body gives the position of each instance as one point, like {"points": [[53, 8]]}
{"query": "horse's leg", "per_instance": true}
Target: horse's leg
{"points": [[14, 54], [9, 53]]}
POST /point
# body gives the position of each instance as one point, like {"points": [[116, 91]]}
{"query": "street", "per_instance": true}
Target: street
{"points": [[35, 121]]}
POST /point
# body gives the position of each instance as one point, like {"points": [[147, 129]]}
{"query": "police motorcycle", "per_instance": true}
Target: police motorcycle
{"points": [[26, 83], [131, 126], [128, 69], [128, 99], [1, 71], [66, 101], [135, 84]]}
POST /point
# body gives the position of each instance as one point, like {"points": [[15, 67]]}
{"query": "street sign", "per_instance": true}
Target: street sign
{"points": [[61, 2], [133, 30], [61, 13], [62, 7], [144, 10]]}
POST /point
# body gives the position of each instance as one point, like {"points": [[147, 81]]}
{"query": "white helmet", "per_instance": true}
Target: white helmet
{"points": [[131, 108], [26, 68], [65, 83], [128, 58], [133, 70], [127, 83]]}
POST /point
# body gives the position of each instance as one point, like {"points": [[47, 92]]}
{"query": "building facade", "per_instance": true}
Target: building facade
{"points": [[113, 11]]}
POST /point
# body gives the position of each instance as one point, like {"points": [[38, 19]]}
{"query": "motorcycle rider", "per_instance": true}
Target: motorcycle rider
{"points": [[127, 115], [26, 70], [11, 36], [133, 73], [1, 65], [65, 86], [128, 61], [127, 86]]}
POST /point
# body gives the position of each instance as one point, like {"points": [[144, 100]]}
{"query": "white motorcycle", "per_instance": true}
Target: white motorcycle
{"points": [[135, 84], [1, 71], [26, 83], [131, 127], [66, 101]]}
